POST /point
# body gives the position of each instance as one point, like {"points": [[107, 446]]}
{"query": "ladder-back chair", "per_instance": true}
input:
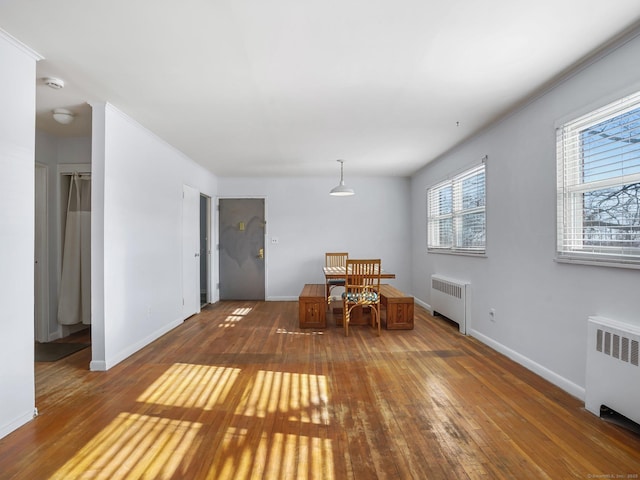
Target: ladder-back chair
{"points": [[334, 259], [362, 288]]}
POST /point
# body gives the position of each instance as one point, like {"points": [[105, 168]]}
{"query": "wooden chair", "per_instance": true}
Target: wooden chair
{"points": [[362, 288], [334, 259]]}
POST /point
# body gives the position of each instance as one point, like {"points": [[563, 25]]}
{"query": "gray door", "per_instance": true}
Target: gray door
{"points": [[242, 229]]}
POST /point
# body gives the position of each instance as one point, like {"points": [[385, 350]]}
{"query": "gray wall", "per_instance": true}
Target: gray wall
{"points": [[374, 223], [541, 306]]}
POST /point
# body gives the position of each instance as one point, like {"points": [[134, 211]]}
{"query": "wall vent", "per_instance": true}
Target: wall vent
{"points": [[620, 347]]}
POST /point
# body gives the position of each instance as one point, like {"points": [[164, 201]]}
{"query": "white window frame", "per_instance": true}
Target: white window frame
{"points": [[572, 245], [435, 216]]}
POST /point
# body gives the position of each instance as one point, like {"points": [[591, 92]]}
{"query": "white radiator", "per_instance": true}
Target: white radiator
{"points": [[449, 298], [613, 374]]}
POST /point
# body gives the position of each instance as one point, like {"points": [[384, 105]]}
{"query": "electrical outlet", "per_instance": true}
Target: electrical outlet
{"points": [[492, 314], [274, 241]]}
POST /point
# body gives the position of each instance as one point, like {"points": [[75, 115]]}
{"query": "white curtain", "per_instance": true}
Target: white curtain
{"points": [[74, 303]]}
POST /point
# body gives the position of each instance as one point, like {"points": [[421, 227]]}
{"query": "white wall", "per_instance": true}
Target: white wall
{"points": [[541, 306], [17, 127], [374, 223], [136, 234]]}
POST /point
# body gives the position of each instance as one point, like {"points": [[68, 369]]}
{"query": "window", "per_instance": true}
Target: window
{"points": [[456, 219], [599, 185]]}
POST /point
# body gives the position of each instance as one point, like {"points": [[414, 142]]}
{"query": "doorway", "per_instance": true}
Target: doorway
{"points": [[41, 257], [196, 212], [241, 256], [205, 249], [49, 253], [74, 299]]}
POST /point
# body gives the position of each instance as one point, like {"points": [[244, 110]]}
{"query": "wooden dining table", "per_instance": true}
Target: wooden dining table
{"points": [[336, 273]]}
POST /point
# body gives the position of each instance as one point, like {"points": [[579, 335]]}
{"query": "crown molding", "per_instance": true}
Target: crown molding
{"points": [[20, 46]]}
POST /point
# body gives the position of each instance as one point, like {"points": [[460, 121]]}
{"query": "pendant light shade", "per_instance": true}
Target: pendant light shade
{"points": [[341, 190]]}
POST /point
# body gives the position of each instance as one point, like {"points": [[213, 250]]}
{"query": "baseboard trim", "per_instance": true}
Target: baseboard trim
{"points": [[98, 366], [424, 305], [106, 364], [558, 380], [17, 423]]}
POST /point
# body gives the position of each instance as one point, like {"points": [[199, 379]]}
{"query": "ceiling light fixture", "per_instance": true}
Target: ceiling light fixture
{"points": [[63, 116], [341, 190]]}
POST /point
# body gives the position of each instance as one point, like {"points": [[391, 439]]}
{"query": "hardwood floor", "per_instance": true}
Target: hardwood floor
{"points": [[240, 391]]}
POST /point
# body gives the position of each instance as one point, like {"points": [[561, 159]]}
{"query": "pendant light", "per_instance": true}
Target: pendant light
{"points": [[341, 190]]}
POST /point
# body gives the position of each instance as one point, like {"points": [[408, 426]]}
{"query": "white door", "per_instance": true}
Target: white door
{"points": [[190, 251]]}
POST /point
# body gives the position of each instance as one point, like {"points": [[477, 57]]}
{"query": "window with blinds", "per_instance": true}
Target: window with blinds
{"points": [[456, 220], [598, 158]]}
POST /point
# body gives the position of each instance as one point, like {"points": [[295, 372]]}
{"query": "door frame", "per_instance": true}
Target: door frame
{"points": [[41, 255], [207, 246], [63, 182], [266, 244]]}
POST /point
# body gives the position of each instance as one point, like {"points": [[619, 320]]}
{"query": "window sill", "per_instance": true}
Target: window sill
{"points": [[457, 253], [632, 264]]}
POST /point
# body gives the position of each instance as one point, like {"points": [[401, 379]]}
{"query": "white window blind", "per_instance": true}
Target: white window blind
{"points": [[456, 219], [599, 185]]}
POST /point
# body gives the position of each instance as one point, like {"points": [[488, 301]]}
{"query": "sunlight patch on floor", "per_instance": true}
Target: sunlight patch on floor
{"points": [[276, 455], [277, 428], [191, 386], [284, 331], [237, 315], [303, 397], [133, 446]]}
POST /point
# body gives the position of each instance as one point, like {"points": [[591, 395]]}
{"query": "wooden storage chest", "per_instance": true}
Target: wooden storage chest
{"points": [[398, 307], [312, 306]]}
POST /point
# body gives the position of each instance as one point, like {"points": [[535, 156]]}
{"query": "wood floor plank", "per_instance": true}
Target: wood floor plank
{"points": [[240, 391]]}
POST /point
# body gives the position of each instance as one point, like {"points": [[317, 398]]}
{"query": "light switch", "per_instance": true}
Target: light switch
{"points": [[274, 241]]}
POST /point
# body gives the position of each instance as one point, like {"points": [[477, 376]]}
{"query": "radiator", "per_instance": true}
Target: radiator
{"points": [[449, 298], [613, 375]]}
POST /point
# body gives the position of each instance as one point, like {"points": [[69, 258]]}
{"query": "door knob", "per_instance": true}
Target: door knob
{"points": [[261, 254]]}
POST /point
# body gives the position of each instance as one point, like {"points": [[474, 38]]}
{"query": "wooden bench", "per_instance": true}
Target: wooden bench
{"points": [[398, 306], [312, 306]]}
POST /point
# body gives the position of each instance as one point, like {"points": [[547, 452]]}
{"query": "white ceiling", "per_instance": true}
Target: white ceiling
{"points": [[286, 87]]}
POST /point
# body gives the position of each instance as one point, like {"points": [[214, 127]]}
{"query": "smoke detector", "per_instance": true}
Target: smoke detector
{"points": [[54, 83]]}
